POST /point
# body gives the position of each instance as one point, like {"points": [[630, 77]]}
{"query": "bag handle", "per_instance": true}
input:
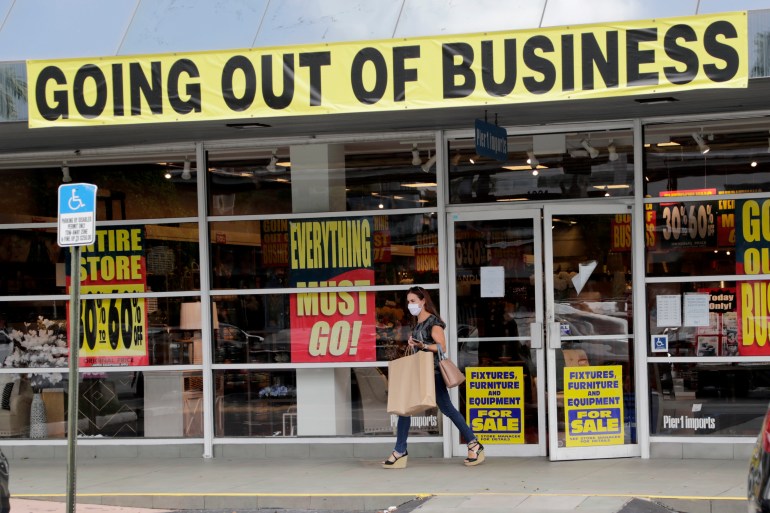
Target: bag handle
{"points": [[441, 354]]}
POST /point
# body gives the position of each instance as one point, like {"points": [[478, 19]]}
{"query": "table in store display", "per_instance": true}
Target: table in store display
{"points": [[242, 411]]}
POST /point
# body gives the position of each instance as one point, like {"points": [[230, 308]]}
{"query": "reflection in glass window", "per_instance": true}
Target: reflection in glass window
{"points": [[323, 178], [258, 403], [543, 167], [258, 328], [728, 157], [255, 403], [256, 254], [161, 331], [688, 237], [708, 399], [111, 405], [129, 258], [131, 191], [705, 319]]}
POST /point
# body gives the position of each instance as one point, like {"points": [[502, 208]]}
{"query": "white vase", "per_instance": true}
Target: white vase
{"points": [[38, 424]]}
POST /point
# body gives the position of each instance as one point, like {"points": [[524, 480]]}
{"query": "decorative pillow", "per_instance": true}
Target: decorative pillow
{"points": [[5, 403]]}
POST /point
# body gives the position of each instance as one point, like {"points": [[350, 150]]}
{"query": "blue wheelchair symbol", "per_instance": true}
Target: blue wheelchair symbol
{"points": [[75, 203], [660, 343]]}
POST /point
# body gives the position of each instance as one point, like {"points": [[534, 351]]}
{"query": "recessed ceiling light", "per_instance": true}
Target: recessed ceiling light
{"points": [[418, 185], [245, 126], [653, 101], [523, 167]]}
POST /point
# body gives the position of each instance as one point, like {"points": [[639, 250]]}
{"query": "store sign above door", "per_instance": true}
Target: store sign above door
{"points": [[471, 70], [491, 141]]}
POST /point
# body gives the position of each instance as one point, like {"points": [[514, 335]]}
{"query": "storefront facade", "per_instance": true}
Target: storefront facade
{"points": [[604, 280]]}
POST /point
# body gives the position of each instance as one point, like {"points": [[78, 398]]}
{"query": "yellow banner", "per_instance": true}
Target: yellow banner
{"points": [[586, 61]]}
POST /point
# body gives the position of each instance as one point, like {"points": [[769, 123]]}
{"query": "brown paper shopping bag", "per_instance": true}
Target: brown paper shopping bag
{"points": [[411, 385]]}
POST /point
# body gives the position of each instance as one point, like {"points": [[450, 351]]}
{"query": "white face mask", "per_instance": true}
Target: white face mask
{"points": [[414, 309]]}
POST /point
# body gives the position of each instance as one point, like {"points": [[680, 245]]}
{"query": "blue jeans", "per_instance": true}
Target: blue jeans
{"points": [[447, 408]]}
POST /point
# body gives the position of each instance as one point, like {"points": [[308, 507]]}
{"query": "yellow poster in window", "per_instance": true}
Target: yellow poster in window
{"points": [[495, 404], [593, 406]]}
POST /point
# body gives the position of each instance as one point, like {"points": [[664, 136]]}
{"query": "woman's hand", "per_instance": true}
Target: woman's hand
{"points": [[416, 344]]}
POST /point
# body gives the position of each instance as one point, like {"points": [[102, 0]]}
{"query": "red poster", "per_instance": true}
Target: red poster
{"points": [[426, 253], [334, 326], [650, 237], [621, 232], [275, 243], [726, 224]]}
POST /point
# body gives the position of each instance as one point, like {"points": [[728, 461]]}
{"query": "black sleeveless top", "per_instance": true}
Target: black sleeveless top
{"points": [[423, 332]]}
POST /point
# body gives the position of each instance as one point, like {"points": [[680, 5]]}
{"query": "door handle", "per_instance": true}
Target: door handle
{"points": [[536, 334], [554, 335]]}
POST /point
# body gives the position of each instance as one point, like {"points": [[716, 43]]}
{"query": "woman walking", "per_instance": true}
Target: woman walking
{"points": [[427, 334]]}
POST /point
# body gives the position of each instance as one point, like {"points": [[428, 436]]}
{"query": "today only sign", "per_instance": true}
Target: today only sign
{"points": [[587, 61]]}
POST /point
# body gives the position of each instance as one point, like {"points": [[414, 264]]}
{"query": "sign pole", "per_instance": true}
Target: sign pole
{"points": [[72, 403], [77, 228]]}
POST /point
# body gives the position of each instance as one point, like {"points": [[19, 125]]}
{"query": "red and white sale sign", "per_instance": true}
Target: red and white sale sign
{"points": [[332, 326]]}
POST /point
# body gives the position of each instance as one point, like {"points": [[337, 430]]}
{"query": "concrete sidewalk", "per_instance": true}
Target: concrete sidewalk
{"points": [[39, 506], [500, 484]]}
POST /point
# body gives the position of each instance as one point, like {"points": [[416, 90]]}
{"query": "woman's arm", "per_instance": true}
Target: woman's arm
{"points": [[437, 334]]}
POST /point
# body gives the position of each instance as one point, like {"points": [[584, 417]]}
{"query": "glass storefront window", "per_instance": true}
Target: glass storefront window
{"points": [[255, 403], [258, 328], [544, 167], [708, 319], [399, 249], [111, 405], [687, 237], [324, 178], [129, 191], [705, 158], [159, 331], [143, 258], [251, 403], [708, 399]]}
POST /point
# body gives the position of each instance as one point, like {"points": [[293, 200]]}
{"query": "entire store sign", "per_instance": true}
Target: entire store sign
{"points": [[332, 326], [113, 331], [514, 67]]}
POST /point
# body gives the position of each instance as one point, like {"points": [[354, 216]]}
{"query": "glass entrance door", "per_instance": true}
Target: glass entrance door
{"points": [[590, 357], [495, 329]]}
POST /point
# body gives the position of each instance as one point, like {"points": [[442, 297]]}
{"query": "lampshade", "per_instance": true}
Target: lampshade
{"points": [[190, 316]]}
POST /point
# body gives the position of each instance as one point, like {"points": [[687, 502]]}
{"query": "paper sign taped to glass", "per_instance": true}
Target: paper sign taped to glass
{"points": [[585, 269]]}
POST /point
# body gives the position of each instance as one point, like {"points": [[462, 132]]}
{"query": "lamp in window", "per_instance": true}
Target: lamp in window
{"points": [[593, 152], [428, 164], [702, 146], [65, 173], [273, 161], [613, 152], [416, 160], [532, 160], [186, 175], [190, 321]]}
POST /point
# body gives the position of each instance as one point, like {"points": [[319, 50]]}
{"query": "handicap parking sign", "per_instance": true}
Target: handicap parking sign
{"points": [[659, 343], [77, 214]]}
